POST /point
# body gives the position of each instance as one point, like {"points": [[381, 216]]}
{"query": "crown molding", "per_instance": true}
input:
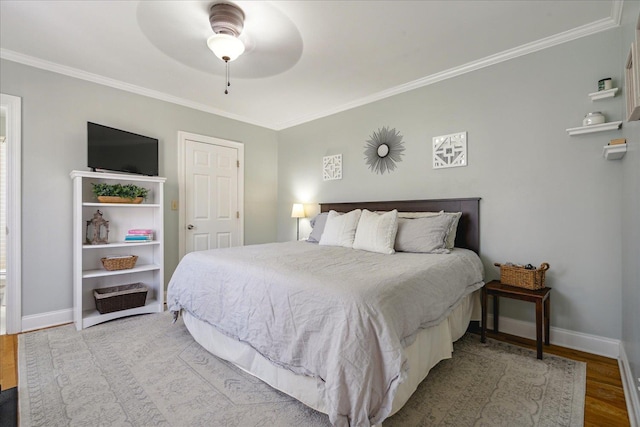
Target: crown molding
{"points": [[10, 55], [557, 39]]}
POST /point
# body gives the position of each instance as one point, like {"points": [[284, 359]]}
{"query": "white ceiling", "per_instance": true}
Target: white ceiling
{"points": [[304, 59]]}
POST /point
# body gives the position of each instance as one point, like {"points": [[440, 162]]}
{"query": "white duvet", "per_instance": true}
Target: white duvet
{"points": [[340, 315]]}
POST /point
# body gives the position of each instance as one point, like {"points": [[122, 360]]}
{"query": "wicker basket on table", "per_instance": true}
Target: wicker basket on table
{"points": [[119, 263], [518, 275]]}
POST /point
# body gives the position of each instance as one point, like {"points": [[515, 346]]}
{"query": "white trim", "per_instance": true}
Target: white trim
{"points": [[117, 84], [525, 49], [47, 320], [586, 30], [182, 191], [13, 106], [593, 344], [616, 11], [630, 392]]}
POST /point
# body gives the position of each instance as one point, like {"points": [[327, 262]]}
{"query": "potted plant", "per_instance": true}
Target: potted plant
{"points": [[118, 193]]}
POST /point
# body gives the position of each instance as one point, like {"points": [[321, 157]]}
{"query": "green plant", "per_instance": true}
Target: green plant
{"points": [[128, 191]]}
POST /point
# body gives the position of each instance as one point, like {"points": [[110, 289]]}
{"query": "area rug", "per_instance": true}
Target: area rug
{"points": [[146, 371]]}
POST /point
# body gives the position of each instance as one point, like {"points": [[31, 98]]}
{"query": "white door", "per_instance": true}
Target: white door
{"points": [[212, 212]]}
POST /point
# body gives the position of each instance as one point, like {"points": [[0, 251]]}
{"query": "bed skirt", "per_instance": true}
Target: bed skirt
{"points": [[431, 346]]}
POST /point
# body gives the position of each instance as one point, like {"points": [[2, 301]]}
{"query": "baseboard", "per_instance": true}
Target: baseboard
{"points": [[46, 320], [575, 340], [630, 392]]}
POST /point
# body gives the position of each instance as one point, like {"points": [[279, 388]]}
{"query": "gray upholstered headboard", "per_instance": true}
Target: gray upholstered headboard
{"points": [[468, 234]]}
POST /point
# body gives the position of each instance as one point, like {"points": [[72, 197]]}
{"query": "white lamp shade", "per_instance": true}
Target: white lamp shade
{"points": [[297, 211], [225, 46]]}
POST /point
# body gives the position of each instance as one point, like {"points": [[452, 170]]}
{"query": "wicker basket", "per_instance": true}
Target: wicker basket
{"points": [[521, 277], [115, 199], [119, 263], [122, 297]]}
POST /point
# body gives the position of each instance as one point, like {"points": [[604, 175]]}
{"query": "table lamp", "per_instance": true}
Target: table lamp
{"points": [[297, 212]]}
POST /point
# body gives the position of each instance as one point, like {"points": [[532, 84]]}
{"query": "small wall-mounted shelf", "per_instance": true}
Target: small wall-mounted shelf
{"points": [[614, 152], [602, 94], [594, 128]]}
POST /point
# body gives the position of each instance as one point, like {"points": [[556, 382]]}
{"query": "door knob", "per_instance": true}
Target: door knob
{"points": [[190, 227]]}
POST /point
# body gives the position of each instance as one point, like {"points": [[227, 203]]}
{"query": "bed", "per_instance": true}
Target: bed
{"points": [[350, 333]]}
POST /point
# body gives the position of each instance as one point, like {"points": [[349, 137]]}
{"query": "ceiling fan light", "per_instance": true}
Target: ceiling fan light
{"points": [[225, 46]]}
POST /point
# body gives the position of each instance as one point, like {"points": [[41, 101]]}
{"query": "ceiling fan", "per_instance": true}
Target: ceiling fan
{"points": [[180, 30], [227, 22]]}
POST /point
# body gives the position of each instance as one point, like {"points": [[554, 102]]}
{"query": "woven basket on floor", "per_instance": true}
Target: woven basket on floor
{"points": [[119, 263], [521, 277]]}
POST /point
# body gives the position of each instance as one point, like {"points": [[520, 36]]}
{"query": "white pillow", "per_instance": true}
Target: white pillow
{"points": [[340, 230], [376, 232]]}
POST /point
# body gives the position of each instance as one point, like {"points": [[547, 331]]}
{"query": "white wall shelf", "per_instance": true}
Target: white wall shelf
{"points": [[594, 128], [614, 152], [88, 272], [121, 244], [603, 94], [122, 205], [101, 272]]}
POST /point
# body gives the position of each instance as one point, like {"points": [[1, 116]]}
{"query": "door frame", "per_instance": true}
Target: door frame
{"points": [[13, 106], [182, 179]]}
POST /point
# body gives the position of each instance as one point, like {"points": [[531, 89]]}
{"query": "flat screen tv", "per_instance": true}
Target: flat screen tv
{"points": [[121, 151]]}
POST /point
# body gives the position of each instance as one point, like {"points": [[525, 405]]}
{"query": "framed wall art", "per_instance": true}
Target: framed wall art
{"points": [[383, 150], [450, 151], [332, 167]]}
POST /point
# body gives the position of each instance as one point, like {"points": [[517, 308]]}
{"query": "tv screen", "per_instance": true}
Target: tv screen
{"points": [[117, 150]]}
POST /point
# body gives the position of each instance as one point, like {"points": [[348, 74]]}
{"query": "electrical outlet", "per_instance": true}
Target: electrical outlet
{"points": [[174, 205]]}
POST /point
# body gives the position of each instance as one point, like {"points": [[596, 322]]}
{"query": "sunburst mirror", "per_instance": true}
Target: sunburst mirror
{"points": [[383, 150]]}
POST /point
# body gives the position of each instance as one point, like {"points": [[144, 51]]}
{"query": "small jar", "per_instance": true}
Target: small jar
{"points": [[594, 118]]}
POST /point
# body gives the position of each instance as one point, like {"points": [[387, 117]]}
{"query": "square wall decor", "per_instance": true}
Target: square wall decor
{"points": [[450, 150], [332, 167]]}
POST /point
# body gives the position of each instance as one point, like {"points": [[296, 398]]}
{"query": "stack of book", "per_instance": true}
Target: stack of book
{"points": [[139, 235], [618, 141]]}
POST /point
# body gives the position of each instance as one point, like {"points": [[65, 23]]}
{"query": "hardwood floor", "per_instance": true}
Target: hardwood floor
{"points": [[604, 401], [8, 361]]}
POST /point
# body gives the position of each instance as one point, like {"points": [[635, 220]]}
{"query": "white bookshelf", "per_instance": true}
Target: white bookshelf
{"points": [[88, 272]]}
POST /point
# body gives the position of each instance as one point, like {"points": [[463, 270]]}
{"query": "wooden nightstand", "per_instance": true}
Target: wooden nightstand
{"points": [[541, 297]]}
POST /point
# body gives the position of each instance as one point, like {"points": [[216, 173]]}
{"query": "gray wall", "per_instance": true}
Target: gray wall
{"points": [[55, 111], [546, 196], [630, 213]]}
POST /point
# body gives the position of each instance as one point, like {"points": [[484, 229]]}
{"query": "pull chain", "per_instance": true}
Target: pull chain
{"points": [[226, 62]]}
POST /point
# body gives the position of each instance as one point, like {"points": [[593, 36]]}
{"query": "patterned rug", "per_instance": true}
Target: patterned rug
{"points": [[145, 371]]}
